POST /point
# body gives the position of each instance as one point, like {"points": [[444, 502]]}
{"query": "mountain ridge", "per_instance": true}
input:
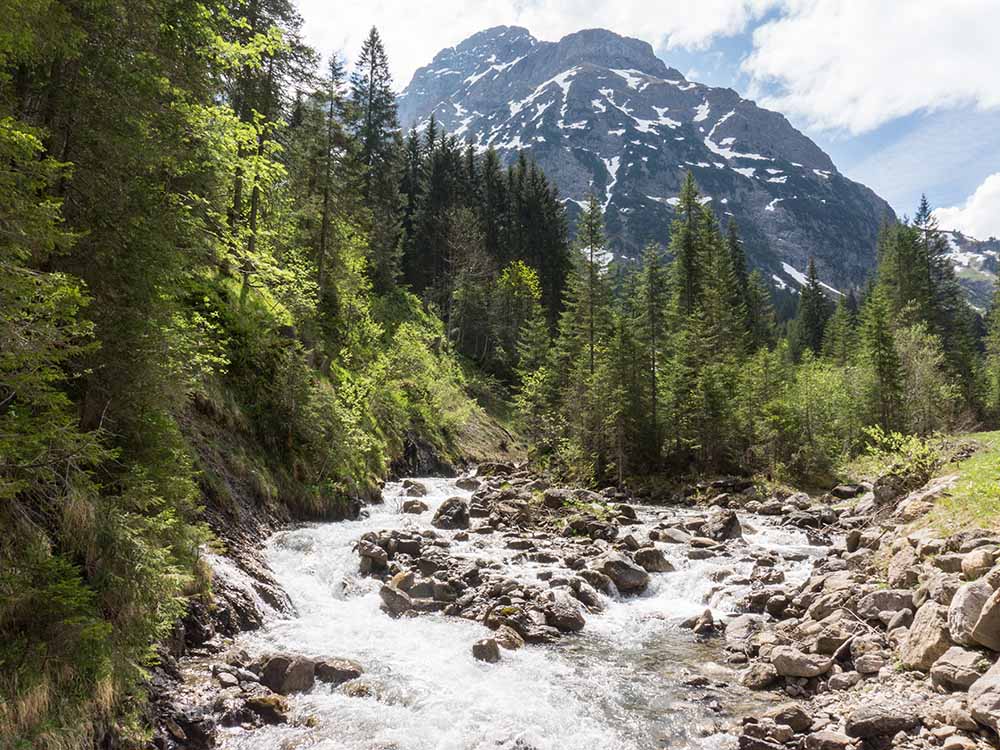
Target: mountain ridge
{"points": [[601, 112]]}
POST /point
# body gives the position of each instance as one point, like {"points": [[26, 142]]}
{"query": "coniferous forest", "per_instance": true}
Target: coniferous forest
{"points": [[226, 272]]}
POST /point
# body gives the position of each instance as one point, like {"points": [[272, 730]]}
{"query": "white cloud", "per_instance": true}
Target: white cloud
{"points": [[415, 32], [979, 216], [856, 64]]}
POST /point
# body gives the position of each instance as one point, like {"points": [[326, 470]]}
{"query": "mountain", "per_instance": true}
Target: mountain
{"points": [[977, 263], [600, 112]]}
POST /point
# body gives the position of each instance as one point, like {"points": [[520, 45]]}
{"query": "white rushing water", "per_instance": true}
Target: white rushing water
{"points": [[617, 684]]}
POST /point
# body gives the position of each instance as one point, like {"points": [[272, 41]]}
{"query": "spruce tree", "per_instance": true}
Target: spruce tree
{"points": [[651, 302], [686, 269], [813, 312], [839, 338], [879, 351], [381, 152]]}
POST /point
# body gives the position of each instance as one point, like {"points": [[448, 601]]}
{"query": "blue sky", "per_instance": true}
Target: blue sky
{"points": [[946, 153], [903, 94]]}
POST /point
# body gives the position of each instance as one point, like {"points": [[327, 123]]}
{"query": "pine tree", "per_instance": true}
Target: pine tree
{"points": [[760, 312], [684, 247], [652, 299], [993, 352], [813, 312], [840, 336], [590, 240], [381, 152], [879, 352]]}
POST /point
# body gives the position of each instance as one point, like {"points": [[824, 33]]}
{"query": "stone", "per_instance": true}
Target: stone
{"points": [[878, 719], [964, 610], [828, 740], [625, 574], [653, 560], [843, 681], [672, 536], [722, 525], [394, 601], [904, 568], [508, 638], [742, 628], [956, 714], [977, 563], [869, 663], [987, 629], [285, 674], [271, 708], [453, 513], [791, 715], [486, 650], [556, 497], [984, 698], [927, 639], [413, 488], [901, 619], [759, 676], [338, 671], [414, 506], [957, 668], [790, 662], [847, 491], [563, 612], [872, 605]]}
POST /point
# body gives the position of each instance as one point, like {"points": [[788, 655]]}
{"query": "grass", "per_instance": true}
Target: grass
{"points": [[974, 502]]}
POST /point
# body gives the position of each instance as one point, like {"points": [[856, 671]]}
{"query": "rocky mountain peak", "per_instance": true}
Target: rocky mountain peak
{"points": [[602, 114]]}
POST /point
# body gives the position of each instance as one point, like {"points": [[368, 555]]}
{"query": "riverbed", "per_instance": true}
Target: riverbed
{"points": [[633, 678]]}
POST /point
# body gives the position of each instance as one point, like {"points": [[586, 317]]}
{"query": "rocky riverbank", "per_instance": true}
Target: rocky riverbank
{"points": [[866, 636]]}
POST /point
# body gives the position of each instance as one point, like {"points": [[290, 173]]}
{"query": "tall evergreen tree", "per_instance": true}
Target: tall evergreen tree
{"points": [[813, 312], [879, 351], [684, 247]]}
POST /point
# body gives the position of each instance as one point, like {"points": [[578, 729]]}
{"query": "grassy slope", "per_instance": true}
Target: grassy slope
{"points": [[975, 500]]}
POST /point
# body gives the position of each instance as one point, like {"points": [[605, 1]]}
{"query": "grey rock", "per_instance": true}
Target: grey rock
{"points": [[453, 513], [964, 610], [957, 668], [879, 719], [337, 671], [653, 560], [791, 662], [625, 574], [486, 650], [987, 629], [984, 698], [928, 638]]}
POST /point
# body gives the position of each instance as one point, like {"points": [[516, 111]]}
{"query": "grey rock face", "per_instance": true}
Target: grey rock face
{"points": [[600, 112]]}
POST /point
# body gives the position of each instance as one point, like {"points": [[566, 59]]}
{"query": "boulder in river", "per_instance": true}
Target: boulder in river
{"points": [[337, 671], [394, 601], [486, 650], [653, 560], [287, 674], [270, 709], [413, 488], [452, 514], [625, 574], [414, 506], [722, 525], [563, 611]]}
